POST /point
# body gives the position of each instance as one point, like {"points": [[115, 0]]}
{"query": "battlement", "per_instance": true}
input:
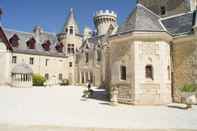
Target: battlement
{"points": [[106, 13]]}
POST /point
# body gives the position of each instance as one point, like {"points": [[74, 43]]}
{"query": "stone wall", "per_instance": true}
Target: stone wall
{"points": [[156, 90], [92, 67], [121, 53], [5, 64], [185, 65]]}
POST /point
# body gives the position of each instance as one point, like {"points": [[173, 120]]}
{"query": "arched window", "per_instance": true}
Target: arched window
{"points": [[169, 73], [71, 30], [149, 72]]}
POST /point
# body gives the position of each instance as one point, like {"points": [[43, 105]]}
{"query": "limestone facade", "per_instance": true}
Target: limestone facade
{"points": [[143, 61]]}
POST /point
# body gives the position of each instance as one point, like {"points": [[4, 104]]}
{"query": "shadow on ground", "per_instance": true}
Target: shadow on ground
{"points": [[101, 95]]}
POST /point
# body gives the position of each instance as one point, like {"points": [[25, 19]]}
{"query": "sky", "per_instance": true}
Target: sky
{"points": [[23, 15]]}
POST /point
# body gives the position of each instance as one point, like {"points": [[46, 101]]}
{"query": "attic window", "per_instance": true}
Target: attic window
{"points": [[14, 40], [31, 43], [46, 45], [163, 10], [59, 47]]}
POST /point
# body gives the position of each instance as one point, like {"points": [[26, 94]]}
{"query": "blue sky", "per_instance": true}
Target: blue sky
{"points": [[51, 14]]}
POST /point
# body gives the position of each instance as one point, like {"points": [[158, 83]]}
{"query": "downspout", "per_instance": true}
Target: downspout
{"points": [[172, 71]]}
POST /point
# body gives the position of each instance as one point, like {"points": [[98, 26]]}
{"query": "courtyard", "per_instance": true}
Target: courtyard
{"points": [[64, 107]]}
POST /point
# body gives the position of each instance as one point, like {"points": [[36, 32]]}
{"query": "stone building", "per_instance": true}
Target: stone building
{"points": [[144, 61]]}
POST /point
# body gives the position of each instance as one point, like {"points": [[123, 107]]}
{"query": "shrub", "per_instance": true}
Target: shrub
{"points": [[65, 82], [189, 88], [38, 80]]}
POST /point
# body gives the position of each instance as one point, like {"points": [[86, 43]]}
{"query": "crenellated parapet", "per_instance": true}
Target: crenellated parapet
{"points": [[103, 19]]}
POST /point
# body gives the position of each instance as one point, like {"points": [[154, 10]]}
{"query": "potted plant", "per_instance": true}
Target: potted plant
{"points": [[189, 94]]}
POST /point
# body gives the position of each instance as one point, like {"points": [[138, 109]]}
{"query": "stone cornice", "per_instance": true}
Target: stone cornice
{"points": [[147, 36], [185, 38]]}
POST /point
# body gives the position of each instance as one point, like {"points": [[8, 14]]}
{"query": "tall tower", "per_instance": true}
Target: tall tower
{"points": [[103, 20], [71, 38], [70, 35]]}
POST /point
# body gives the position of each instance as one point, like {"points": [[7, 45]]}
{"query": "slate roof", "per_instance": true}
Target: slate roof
{"points": [[178, 25], [71, 20], [25, 36], [141, 19]]}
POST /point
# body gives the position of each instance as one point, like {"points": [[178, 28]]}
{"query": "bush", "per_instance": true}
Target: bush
{"points": [[38, 80], [189, 88], [87, 93], [65, 82]]}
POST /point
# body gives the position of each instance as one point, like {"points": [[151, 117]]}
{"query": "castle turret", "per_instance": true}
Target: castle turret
{"points": [[70, 36], [70, 26], [103, 20]]}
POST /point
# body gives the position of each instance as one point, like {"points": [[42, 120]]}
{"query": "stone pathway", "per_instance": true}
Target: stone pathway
{"points": [[50, 108]]}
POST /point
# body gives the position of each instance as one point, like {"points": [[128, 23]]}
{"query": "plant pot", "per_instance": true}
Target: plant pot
{"points": [[189, 97]]}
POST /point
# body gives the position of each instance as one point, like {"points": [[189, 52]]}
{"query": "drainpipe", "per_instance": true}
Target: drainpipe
{"points": [[172, 72]]}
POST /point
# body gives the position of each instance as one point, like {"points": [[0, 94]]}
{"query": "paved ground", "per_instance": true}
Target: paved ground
{"points": [[64, 107]]}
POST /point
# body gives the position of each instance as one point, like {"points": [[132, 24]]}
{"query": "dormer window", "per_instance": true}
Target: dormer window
{"points": [[46, 45], [163, 10], [14, 40], [59, 47], [31, 43]]}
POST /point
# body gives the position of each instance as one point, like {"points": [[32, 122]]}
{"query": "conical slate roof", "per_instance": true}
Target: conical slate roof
{"points": [[141, 19], [71, 21]]}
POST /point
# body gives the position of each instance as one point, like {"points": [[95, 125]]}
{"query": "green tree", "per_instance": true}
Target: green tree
{"points": [[38, 80]]}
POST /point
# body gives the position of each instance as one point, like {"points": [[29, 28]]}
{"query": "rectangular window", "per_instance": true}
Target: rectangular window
{"points": [[98, 55], [60, 76], [123, 73], [46, 76], [70, 64], [86, 57], [14, 59], [46, 62], [71, 49], [163, 10], [68, 49], [31, 60], [149, 72]]}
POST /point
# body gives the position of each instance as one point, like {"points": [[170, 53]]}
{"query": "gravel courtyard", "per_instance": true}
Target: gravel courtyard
{"points": [[65, 107]]}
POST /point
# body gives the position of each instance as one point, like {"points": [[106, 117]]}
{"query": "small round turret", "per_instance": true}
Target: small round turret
{"points": [[103, 20]]}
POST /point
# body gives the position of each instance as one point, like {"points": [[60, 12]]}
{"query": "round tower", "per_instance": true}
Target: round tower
{"points": [[103, 20]]}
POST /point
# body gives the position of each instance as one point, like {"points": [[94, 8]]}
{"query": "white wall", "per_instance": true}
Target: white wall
{"points": [[4, 64], [55, 66]]}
